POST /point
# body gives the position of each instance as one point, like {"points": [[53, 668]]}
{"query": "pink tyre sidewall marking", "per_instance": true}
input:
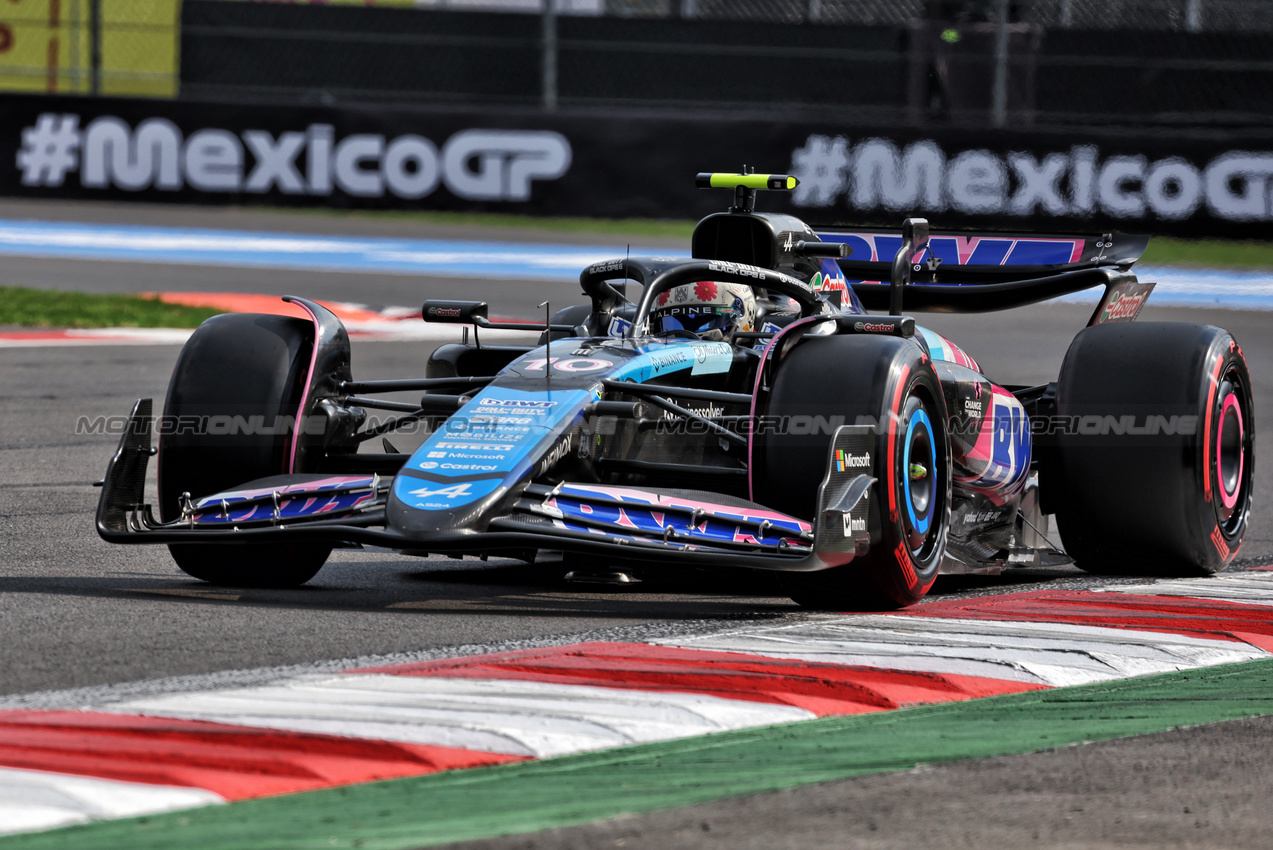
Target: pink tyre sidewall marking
{"points": [[1226, 498]]}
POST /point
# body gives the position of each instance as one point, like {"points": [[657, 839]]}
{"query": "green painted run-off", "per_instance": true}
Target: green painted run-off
{"points": [[484, 802]]}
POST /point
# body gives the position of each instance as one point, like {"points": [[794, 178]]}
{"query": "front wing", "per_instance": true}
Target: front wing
{"points": [[617, 522]]}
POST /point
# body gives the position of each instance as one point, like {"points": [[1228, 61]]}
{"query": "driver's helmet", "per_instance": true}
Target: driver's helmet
{"points": [[709, 309]]}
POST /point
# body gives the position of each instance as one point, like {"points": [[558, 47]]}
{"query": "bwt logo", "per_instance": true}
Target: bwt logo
{"points": [[874, 173], [477, 165]]}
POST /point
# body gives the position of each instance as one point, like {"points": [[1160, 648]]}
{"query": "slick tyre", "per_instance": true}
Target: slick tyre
{"points": [[852, 380], [235, 379], [1154, 476]]}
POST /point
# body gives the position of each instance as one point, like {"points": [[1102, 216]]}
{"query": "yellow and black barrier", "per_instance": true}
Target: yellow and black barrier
{"points": [[111, 47]]}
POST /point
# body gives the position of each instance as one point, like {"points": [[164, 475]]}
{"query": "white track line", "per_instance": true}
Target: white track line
{"points": [[35, 800], [405, 331], [492, 715], [1250, 588], [1040, 653], [543, 719], [102, 336]]}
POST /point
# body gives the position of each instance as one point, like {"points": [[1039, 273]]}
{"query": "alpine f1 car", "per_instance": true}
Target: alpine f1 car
{"points": [[736, 408]]}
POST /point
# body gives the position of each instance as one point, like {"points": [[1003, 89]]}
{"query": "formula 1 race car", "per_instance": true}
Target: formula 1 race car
{"points": [[736, 408]]}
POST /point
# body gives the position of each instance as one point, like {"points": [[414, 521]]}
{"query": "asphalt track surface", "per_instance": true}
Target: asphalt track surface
{"points": [[77, 613]]}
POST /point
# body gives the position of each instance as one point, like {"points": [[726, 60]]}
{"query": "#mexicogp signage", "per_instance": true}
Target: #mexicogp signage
{"points": [[1052, 180], [181, 152], [622, 165]]}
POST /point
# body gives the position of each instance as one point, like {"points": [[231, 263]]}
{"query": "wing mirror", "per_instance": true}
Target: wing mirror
{"points": [[455, 312]]}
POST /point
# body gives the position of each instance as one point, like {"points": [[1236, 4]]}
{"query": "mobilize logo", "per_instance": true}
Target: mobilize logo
{"points": [[476, 165]]}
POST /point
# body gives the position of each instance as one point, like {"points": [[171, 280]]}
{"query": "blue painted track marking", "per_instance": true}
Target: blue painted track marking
{"points": [[527, 261], [1234, 290], [459, 258]]}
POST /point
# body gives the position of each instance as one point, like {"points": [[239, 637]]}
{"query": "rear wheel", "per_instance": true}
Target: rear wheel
{"points": [[237, 382], [1157, 477], [864, 379]]}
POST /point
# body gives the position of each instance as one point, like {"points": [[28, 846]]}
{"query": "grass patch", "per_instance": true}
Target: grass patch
{"points": [[1209, 253], [40, 308]]}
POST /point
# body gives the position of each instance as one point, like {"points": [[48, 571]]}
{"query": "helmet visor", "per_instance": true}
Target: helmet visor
{"points": [[698, 322]]}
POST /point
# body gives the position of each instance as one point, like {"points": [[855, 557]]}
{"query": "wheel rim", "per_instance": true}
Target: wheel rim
{"points": [[919, 475], [1230, 452]]}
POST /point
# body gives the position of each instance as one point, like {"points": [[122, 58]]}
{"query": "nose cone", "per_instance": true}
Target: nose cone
{"points": [[465, 472]]}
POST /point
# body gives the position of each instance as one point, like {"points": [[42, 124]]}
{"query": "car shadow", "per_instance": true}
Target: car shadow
{"points": [[370, 582], [441, 587]]}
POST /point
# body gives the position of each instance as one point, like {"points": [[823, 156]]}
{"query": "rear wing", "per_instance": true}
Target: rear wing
{"points": [[970, 272], [944, 271]]}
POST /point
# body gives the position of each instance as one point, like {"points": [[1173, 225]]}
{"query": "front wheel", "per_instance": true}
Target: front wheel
{"points": [[229, 419], [890, 383]]}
